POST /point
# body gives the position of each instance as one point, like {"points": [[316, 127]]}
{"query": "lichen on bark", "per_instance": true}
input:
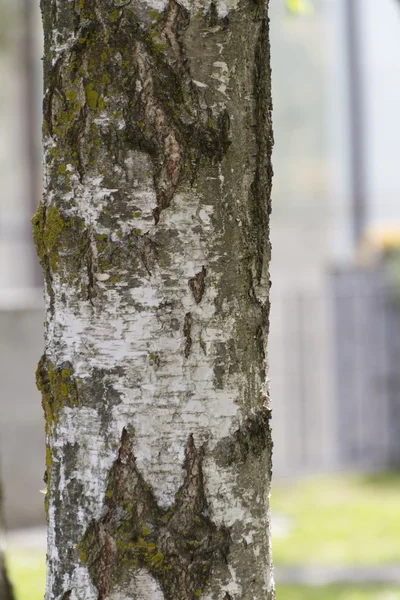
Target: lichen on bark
{"points": [[178, 545], [58, 387], [153, 238], [161, 113]]}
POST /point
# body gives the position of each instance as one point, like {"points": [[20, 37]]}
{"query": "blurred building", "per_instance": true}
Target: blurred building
{"points": [[20, 119], [336, 177], [21, 301]]}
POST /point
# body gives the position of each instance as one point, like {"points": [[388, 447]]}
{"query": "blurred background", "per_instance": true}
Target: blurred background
{"points": [[334, 345]]}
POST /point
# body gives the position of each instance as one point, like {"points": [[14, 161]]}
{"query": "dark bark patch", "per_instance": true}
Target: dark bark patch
{"points": [[197, 284], [187, 329], [91, 266], [148, 252], [141, 61], [249, 440], [211, 16], [226, 361], [178, 546], [213, 20], [214, 140], [257, 228]]}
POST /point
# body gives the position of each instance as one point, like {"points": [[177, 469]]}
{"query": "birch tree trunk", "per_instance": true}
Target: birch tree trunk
{"points": [[153, 238]]}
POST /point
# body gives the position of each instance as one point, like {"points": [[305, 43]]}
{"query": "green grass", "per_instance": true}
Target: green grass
{"points": [[334, 592], [27, 571], [339, 520], [335, 520]]}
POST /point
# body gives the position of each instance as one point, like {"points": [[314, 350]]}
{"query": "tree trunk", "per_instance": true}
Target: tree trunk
{"points": [[6, 592], [153, 238]]}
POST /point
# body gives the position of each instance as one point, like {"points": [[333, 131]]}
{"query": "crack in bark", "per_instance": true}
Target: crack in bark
{"points": [[159, 102], [53, 87], [213, 19], [170, 148], [92, 262], [148, 252], [168, 175], [178, 546], [187, 329], [171, 31], [197, 284]]}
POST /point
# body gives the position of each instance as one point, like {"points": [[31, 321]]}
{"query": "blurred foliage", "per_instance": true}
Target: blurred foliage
{"points": [[392, 264], [380, 245], [300, 7], [339, 520]]}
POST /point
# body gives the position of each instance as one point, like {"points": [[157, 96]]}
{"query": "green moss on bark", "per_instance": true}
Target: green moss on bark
{"points": [[47, 229], [178, 546], [121, 67], [59, 389]]}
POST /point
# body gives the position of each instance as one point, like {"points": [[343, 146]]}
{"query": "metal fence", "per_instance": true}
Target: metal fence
{"points": [[367, 368], [301, 381], [335, 374]]}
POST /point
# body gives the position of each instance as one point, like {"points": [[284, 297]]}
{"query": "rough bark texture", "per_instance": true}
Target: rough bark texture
{"points": [[154, 242]]}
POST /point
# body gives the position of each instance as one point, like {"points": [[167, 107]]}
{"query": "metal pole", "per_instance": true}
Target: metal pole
{"points": [[31, 115], [357, 130]]}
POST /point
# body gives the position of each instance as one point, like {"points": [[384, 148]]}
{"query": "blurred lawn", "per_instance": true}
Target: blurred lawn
{"points": [[335, 592], [341, 519], [27, 571]]}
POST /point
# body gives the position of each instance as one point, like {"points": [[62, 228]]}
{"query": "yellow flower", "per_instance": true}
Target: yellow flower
{"points": [[383, 238]]}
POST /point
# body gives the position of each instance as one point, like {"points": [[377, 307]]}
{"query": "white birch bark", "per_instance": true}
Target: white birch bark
{"points": [[153, 237]]}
